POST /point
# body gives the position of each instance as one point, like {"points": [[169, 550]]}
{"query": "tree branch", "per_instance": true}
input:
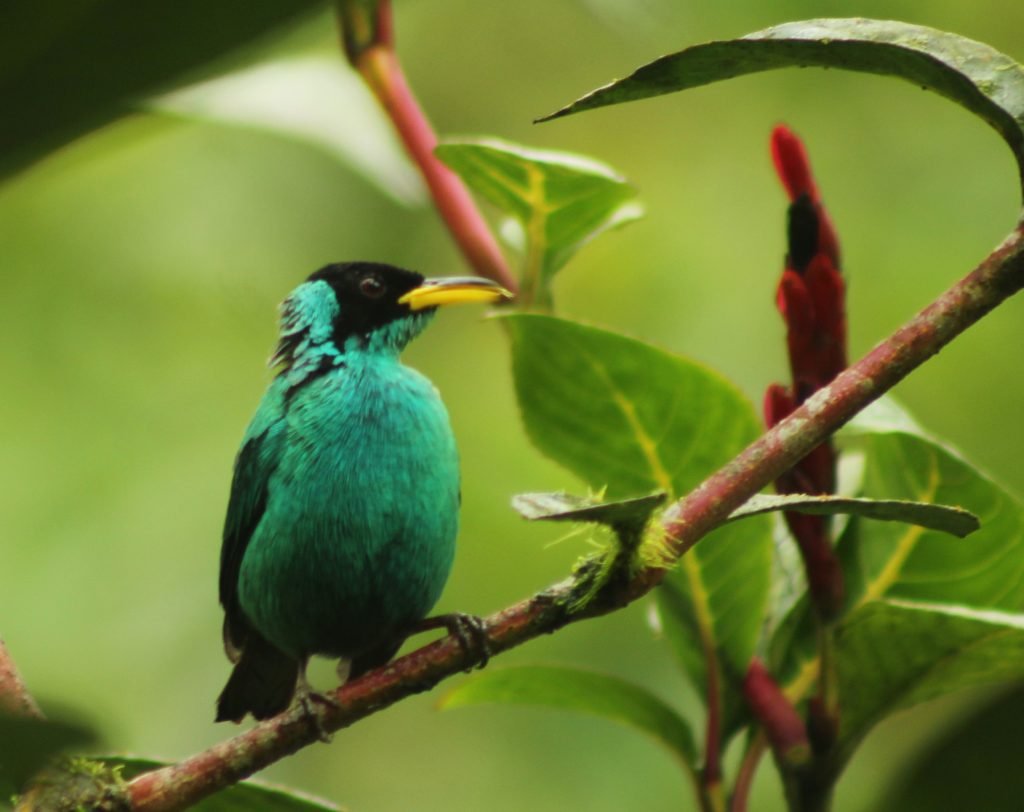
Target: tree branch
{"points": [[14, 696], [180, 785], [999, 276]]}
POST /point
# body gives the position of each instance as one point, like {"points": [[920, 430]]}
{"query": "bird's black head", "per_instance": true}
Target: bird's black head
{"points": [[368, 306], [367, 294]]}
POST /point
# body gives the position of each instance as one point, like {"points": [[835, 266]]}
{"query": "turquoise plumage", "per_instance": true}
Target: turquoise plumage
{"points": [[341, 526]]}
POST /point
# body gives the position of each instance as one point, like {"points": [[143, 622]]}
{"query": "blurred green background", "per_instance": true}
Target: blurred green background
{"points": [[143, 264]]}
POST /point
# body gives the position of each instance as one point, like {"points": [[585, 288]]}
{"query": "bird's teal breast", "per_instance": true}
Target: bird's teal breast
{"points": [[358, 535]]}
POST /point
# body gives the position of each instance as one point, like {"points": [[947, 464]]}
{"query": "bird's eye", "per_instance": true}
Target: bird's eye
{"points": [[371, 287]]}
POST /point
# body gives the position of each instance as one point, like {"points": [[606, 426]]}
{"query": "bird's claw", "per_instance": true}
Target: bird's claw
{"points": [[307, 700], [469, 630]]}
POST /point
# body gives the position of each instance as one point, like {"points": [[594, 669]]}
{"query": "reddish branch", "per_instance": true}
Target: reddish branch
{"points": [[14, 696], [998, 277], [180, 785], [686, 522], [368, 39]]}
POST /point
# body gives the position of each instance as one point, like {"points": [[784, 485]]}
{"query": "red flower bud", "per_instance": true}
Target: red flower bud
{"points": [[812, 305], [795, 304], [782, 725], [791, 164], [828, 294], [811, 299], [778, 404], [794, 170]]}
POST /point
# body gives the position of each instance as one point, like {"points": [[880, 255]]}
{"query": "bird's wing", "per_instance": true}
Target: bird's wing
{"points": [[256, 461]]}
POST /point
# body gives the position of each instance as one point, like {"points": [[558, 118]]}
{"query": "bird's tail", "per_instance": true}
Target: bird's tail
{"points": [[262, 682]]}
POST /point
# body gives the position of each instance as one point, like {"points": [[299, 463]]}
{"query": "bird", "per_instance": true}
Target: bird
{"points": [[344, 505]]}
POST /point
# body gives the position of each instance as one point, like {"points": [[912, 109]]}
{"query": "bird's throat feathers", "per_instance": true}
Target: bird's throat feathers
{"points": [[316, 332]]}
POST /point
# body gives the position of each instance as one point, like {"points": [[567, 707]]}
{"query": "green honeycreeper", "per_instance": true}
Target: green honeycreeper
{"points": [[341, 525]]}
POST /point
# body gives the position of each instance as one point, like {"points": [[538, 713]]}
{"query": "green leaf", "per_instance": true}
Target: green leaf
{"points": [[945, 519], [558, 201], [312, 100], [28, 744], [625, 416], [916, 563], [248, 796], [630, 418], [584, 692], [884, 560], [886, 415], [82, 63], [895, 654], [972, 74], [631, 514], [712, 607]]}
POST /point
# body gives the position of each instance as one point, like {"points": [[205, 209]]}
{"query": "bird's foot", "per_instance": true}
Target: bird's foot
{"points": [[308, 699], [469, 630]]}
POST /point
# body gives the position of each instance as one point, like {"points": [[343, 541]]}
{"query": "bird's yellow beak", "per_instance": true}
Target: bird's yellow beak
{"points": [[453, 290]]}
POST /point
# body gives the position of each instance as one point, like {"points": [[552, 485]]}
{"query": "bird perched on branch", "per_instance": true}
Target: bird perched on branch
{"points": [[341, 525]]}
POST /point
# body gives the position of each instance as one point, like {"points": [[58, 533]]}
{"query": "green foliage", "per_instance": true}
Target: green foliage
{"points": [[905, 472], [974, 75], [562, 507], [583, 692], [942, 518], [130, 49], [679, 612], [625, 417], [557, 202], [711, 608], [896, 654], [884, 560], [629, 418], [919, 564]]}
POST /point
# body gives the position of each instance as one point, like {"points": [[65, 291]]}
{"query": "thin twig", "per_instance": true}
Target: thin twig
{"points": [[711, 772], [745, 775], [999, 276]]}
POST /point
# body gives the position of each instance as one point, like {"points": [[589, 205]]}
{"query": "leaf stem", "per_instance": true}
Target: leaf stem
{"points": [[748, 770], [824, 718], [998, 277], [381, 69], [535, 293], [712, 799]]}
